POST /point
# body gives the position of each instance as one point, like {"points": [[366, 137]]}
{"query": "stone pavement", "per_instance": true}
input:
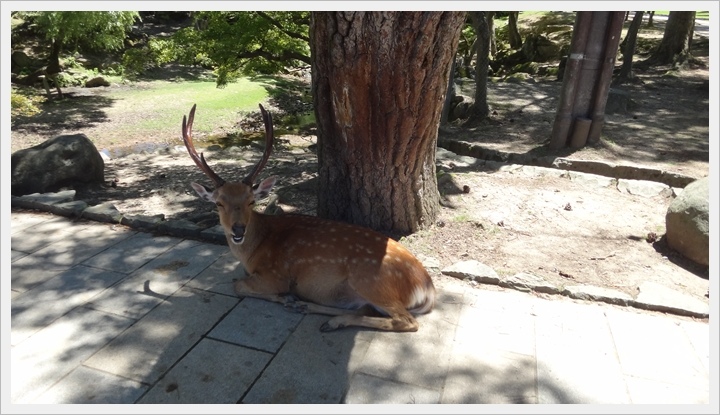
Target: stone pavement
{"points": [[102, 313]]}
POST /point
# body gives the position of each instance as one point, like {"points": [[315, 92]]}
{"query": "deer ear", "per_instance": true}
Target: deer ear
{"points": [[203, 192], [264, 188]]}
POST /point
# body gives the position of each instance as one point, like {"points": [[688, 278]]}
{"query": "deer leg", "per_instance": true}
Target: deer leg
{"points": [[260, 289], [399, 320]]}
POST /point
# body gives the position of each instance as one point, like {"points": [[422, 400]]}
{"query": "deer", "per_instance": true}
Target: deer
{"points": [[358, 276]]}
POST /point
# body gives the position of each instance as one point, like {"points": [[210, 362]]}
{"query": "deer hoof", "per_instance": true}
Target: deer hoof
{"points": [[295, 307], [326, 327]]}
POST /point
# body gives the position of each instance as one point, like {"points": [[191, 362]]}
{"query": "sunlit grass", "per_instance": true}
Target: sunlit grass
{"points": [[160, 105]]}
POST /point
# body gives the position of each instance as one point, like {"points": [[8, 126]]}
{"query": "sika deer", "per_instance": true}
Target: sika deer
{"points": [[338, 269]]}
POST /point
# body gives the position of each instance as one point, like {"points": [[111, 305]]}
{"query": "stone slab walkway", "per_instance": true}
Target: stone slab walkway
{"points": [[102, 313]]}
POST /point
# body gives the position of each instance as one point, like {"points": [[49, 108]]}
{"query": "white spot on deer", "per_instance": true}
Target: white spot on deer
{"points": [[377, 238]]}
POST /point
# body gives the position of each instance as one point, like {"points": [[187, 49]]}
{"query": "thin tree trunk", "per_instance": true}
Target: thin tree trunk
{"points": [[379, 80], [628, 49], [513, 33], [490, 17], [480, 108], [675, 45]]}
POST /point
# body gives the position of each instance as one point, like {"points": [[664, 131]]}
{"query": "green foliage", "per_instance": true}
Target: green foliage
{"points": [[24, 105], [155, 53], [98, 31], [243, 43]]}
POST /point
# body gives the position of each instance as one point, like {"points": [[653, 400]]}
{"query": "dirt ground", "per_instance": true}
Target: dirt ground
{"points": [[516, 219]]}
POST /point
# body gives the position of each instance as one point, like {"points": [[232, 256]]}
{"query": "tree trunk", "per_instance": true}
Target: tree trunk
{"points": [[53, 69], [675, 45], [628, 49], [650, 18], [490, 17], [480, 109], [379, 80], [449, 95], [513, 34]]}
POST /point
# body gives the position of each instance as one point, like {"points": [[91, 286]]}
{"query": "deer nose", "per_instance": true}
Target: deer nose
{"points": [[238, 233]]}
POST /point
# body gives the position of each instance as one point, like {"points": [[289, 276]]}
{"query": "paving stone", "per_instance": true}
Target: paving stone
{"points": [[132, 253], [493, 357], [180, 227], [15, 255], [105, 212], [56, 350], [61, 255], [472, 270], [643, 188], [72, 209], [142, 222], [576, 360], [149, 285], [661, 351], [591, 292], [428, 349], [592, 180], [335, 355], [698, 334], [258, 324], [21, 221], [214, 234], [475, 377], [58, 296], [151, 346], [657, 297], [647, 391], [366, 389], [213, 372], [219, 277], [36, 200], [43, 233], [528, 282], [89, 386]]}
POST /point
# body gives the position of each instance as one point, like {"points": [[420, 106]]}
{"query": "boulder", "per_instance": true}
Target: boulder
{"points": [[687, 222], [55, 163], [96, 82]]}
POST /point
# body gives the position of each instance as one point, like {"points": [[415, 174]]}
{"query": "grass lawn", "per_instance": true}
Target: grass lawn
{"points": [[160, 105]]}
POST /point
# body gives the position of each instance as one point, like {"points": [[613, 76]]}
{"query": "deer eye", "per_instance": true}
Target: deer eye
{"points": [[218, 204], [252, 202]]}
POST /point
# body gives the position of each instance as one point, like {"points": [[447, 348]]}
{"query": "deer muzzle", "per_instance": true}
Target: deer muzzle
{"points": [[238, 233]]}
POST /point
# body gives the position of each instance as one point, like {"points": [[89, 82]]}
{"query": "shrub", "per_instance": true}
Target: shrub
{"points": [[23, 105]]}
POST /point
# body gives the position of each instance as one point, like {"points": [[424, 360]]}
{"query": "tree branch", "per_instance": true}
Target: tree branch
{"points": [[285, 56], [280, 27]]}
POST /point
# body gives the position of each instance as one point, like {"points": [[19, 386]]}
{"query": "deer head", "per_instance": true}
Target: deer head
{"points": [[234, 200]]}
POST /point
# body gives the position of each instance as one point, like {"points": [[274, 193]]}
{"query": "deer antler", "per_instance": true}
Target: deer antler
{"points": [[269, 138], [200, 161]]}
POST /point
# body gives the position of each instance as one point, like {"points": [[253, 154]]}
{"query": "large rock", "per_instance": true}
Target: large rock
{"points": [[687, 220], [96, 82], [58, 162]]}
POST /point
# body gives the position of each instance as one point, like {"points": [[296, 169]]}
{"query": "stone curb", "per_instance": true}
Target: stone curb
{"points": [[464, 148], [652, 297]]}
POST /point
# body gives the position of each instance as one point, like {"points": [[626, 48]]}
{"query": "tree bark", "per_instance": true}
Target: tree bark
{"points": [[379, 81], [628, 49], [675, 44], [480, 108], [513, 33]]}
